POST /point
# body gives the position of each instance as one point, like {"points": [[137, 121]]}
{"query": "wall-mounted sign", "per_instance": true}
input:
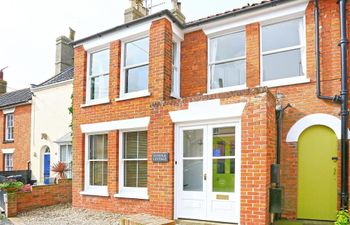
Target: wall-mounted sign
{"points": [[160, 157]]}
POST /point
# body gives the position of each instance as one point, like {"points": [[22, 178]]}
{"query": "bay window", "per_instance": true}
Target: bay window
{"points": [[134, 79], [98, 76], [227, 62], [283, 51]]}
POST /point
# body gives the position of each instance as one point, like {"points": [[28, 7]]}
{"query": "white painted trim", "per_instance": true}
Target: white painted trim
{"points": [[241, 20], [177, 90], [207, 110], [132, 95], [58, 84], [314, 119], [285, 81], [227, 89], [95, 193], [8, 150], [121, 34], [96, 102], [136, 123], [132, 196], [8, 111]]}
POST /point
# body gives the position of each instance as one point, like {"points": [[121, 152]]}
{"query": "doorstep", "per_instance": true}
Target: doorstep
{"points": [[200, 222], [302, 222]]}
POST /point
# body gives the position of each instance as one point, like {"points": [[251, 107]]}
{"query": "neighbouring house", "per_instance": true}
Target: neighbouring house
{"points": [[15, 130], [51, 137], [178, 119]]}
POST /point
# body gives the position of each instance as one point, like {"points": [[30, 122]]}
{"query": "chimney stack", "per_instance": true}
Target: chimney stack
{"points": [[64, 52], [136, 11], [3, 83], [176, 11]]}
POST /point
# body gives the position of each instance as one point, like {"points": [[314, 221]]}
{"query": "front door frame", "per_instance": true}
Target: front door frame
{"points": [[224, 122]]}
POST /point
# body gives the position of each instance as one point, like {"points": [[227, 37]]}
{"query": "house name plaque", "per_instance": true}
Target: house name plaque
{"points": [[160, 157]]}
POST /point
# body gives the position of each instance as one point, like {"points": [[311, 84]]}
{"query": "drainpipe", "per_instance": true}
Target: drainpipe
{"points": [[344, 107]]}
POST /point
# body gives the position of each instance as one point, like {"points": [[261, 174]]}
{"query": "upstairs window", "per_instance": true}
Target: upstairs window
{"points": [[9, 125], [175, 76], [98, 76], [227, 62], [134, 80], [283, 55]]}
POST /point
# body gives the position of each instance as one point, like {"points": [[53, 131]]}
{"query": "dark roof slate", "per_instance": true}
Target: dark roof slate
{"points": [[65, 75], [15, 97]]}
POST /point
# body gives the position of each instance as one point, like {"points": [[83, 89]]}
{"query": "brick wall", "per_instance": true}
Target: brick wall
{"points": [[40, 196], [22, 132]]}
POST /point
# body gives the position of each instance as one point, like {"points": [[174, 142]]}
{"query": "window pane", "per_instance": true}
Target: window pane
{"points": [[282, 65], [130, 145], [63, 153], [98, 173], [142, 178], [98, 147], [99, 87], [174, 53], [100, 62], [223, 175], [227, 47], [142, 145], [224, 141], [137, 52], [193, 175], [228, 74], [130, 172], [282, 35], [193, 143], [136, 79]]}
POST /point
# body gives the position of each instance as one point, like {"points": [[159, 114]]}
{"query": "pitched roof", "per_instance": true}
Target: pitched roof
{"points": [[65, 75], [234, 12], [15, 97], [65, 138]]}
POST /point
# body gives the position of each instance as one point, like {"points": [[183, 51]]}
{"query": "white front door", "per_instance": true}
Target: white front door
{"points": [[207, 172]]}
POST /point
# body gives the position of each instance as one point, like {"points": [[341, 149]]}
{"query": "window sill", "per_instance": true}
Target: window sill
{"points": [[133, 95], [285, 82], [132, 196], [95, 193], [8, 141], [228, 89], [93, 103]]}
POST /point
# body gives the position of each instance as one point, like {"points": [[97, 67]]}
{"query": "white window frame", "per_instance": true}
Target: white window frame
{"points": [[123, 68], [11, 137], [66, 144], [302, 47], [128, 192], [176, 70], [226, 89], [8, 161], [93, 189], [88, 100]]}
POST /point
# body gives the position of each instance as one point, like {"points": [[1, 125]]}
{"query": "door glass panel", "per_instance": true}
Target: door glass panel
{"points": [[193, 175], [223, 159], [193, 143]]}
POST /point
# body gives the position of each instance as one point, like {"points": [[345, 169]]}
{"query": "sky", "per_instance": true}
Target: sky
{"points": [[28, 29]]}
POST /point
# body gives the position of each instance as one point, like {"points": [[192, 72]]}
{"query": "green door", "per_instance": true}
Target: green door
{"points": [[317, 174]]}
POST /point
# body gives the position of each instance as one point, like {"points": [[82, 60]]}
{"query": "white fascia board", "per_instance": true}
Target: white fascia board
{"points": [[58, 84], [282, 11], [207, 110], [137, 123], [8, 150], [135, 30], [9, 110]]}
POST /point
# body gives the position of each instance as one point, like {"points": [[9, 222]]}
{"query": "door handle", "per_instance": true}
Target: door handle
{"points": [[335, 159], [205, 176]]}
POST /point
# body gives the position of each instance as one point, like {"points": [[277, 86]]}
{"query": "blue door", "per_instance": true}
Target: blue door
{"points": [[46, 168]]}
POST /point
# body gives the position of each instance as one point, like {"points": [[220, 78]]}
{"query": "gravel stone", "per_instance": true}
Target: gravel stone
{"points": [[65, 214]]}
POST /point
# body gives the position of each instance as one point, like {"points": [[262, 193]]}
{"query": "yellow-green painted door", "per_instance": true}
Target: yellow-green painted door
{"points": [[317, 174]]}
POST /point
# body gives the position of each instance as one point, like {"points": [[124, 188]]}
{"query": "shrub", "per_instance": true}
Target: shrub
{"points": [[342, 218], [60, 169], [11, 186]]}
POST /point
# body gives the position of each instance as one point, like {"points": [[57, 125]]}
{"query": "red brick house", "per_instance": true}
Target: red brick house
{"points": [[179, 119]]}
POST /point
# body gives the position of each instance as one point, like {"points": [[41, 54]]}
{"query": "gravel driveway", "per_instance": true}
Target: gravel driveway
{"points": [[64, 214]]}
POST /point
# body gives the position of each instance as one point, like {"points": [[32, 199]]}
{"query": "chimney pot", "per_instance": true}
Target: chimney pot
{"points": [[176, 11], [136, 11], [64, 52]]}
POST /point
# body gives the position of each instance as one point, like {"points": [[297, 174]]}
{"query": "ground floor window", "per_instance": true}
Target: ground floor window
{"points": [[96, 163], [8, 162], [66, 157], [133, 162]]}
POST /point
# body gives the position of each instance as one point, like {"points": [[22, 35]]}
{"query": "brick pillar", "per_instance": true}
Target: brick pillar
{"points": [[112, 162], [10, 204], [253, 54], [160, 59], [114, 70]]}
